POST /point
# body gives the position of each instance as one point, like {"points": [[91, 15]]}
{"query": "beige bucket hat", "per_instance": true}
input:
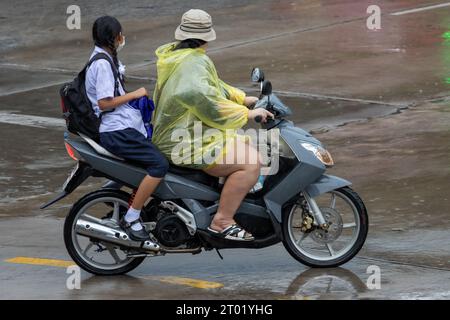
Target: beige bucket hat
{"points": [[195, 24]]}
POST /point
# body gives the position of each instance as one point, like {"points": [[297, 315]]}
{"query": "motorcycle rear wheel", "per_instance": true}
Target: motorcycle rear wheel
{"points": [[74, 249], [293, 244]]}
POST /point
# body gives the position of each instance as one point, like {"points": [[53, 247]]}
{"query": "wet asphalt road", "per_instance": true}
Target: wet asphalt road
{"points": [[377, 99]]}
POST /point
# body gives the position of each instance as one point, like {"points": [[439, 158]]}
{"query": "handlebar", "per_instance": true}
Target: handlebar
{"points": [[258, 119]]}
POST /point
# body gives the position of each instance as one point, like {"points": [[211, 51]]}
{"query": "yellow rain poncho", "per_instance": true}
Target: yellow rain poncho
{"points": [[196, 113]]}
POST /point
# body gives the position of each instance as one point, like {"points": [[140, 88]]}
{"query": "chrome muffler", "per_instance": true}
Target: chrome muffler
{"points": [[112, 235]]}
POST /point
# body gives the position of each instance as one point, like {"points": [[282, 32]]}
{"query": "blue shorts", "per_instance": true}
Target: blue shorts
{"points": [[133, 146]]}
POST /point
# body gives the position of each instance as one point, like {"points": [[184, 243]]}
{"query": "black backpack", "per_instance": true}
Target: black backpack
{"points": [[76, 106]]}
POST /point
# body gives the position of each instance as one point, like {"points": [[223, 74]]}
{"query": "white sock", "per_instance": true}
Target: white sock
{"points": [[137, 226], [133, 215]]}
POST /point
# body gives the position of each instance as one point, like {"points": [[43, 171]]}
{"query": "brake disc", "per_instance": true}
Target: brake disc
{"points": [[334, 221]]}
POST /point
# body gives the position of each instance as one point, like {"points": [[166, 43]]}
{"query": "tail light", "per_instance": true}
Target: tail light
{"points": [[70, 151]]}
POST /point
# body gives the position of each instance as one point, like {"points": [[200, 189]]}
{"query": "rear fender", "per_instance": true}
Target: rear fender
{"points": [[81, 173]]}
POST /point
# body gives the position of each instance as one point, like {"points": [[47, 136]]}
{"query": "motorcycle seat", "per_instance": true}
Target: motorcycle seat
{"points": [[98, 148], [193, 174]]}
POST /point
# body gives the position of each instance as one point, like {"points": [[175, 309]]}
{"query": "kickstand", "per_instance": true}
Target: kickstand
{"points": [[218, 252]]}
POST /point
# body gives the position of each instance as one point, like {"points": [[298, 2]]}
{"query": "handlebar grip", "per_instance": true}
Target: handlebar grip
{"points": [[258, 119]]}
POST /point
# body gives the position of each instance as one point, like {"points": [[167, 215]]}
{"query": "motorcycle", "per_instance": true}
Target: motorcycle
{"points": [[319, 219]]}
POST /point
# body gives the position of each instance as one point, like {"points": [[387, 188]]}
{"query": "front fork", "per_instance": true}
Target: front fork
{"points": [[314, 210]]}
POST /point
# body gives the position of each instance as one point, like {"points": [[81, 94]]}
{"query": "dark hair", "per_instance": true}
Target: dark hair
{"points": [[104, 32], [189, 43]]}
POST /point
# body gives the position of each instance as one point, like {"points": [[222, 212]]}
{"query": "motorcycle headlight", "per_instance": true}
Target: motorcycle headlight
{"points": [[323, 155]]}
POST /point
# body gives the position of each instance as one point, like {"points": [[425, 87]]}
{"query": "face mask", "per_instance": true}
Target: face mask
{"points": [[121, 45]]}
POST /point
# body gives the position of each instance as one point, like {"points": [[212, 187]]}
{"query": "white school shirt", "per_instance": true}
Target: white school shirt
{"points": [[99, 85]]}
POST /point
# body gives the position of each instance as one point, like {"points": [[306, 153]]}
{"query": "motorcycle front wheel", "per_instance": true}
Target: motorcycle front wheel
{"points": [[346, 215], [97, 257]]}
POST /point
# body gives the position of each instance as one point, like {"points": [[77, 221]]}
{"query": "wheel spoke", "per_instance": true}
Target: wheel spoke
{"points": [[113, 253], [333, 201], [330, 249], [349, 225], [89, 246], [115, 215], [304, 235]]}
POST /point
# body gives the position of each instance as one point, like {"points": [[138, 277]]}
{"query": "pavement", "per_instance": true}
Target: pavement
{"points": [[379, 101]]}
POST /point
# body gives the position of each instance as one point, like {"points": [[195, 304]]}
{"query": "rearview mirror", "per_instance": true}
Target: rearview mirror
{"points": [[266, 88], [257, 75]]}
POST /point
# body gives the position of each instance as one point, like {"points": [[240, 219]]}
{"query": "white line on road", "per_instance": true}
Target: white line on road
{"points": [[27, 67], [31, 121], [307, 95], [442, 5], [38, 87]]}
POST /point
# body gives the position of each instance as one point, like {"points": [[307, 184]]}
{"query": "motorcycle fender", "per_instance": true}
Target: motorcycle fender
{"points": [[325, 184], [112, 185], [80, 173]]}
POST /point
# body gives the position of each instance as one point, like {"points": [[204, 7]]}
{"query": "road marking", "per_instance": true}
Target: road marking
{"points": [[190, 282], [307, 95], [38, 87], [30, 120], [442, 5], [41, 262], [27, 67], [195, 283]]}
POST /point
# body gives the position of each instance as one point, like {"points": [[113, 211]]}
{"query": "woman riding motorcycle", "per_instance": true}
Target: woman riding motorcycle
{"points": [[191, 99]]}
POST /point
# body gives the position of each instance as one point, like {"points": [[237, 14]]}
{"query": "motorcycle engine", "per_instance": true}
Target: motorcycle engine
{"points": [[171, 231]]}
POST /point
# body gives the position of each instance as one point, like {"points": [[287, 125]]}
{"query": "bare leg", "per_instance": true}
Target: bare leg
{"points": [[242, 176], [145, 190]]}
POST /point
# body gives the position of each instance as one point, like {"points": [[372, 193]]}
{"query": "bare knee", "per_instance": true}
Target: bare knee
{"points": [[252, 172]]}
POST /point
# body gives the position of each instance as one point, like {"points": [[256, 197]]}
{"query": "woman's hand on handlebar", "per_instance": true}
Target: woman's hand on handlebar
{"points": [[260, 115], [250, 101]]}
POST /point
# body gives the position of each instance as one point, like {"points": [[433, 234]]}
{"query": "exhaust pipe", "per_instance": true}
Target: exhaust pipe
{"points": [[112, 235]]}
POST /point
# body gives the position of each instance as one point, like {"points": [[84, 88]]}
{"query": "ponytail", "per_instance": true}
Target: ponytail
{"points": [[104, 33]]}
